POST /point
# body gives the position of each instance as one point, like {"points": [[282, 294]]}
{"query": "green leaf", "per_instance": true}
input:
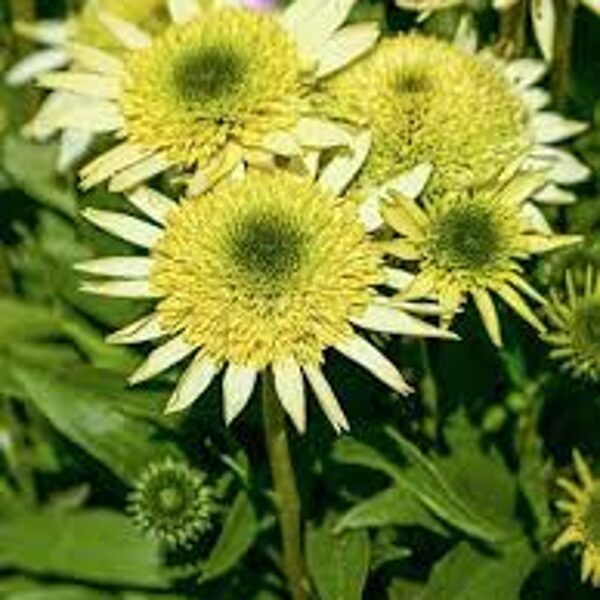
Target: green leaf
{"points": [[99, 546], [32, 168], [394, 506], [467, 574], [415, 473], [238, 535], [86, 406], [481, 478], [20, 322], [338, 563], [61, 592]]}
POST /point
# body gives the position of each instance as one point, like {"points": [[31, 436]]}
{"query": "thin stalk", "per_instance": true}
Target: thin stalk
{"points": [[429, 394], [286, 491], [563, 51], [513, 20]]}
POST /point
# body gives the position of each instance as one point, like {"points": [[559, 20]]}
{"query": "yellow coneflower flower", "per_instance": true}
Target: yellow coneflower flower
{"points": [[470, 116], [471, 243], [263, 273], [221, 84], [575, 326], [58, 39], [583, 519]]}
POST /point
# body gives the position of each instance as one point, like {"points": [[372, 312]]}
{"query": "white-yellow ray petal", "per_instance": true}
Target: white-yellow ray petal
{"points": [[398, 278], [412, 183], [489, 315], [85, 84], [161, 359], [112, 161], [363, 353], [35, 64], [74, 144], [139, 172], [123, 226], [521, 187], [290, 391], [95, 60], [543, 16], [130, 35], [193, 383], [326, 398], [563, 167], [282, 143], [146, 329], [549, 128], [49, 32], [152, 203], [94, 116], [346, 46], [182, 11], [137, 288], [553, 195], [126, 267], [387, 319], [312, 22], [344, 166], [539, 244], [238, 385], [318, 133], [516, 302], [525, 72]]}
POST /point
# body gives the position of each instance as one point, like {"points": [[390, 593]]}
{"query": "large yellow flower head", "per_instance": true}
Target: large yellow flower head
{"points": [[218, 86], [470, 116], [472, 243], [582, 510], [264, 273], [62, 42], [575, 326]]}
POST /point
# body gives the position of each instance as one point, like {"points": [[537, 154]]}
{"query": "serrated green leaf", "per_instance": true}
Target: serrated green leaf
{"points": [[99, 546], [338, 563]]}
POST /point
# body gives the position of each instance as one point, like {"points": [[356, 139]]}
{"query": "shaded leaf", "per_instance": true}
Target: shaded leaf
{"points": [[338, 563]]}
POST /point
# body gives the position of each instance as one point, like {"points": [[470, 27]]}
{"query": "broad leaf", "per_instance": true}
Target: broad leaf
{"points": [[338, 563]]}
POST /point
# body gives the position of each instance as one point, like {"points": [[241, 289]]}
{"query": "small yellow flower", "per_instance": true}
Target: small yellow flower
{"points": [[472, 243], [575, 326], [468, 115], [265, 273], [582, 509], [218, 86]]}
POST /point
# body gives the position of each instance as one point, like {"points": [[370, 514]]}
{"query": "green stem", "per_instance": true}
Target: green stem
{"points": [[512, 30], [429, 394], [286, 491], [563, 50]]}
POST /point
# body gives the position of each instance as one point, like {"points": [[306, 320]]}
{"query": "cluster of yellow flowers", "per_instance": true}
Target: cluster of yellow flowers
{"points": [[332, 183]]}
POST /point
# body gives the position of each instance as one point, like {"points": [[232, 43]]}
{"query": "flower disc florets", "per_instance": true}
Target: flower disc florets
{"points": [[429, 102]]}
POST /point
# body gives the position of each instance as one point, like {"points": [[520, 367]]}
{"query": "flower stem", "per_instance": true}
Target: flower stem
{"points": [[563, 47], [286, 491], [512, 30]]}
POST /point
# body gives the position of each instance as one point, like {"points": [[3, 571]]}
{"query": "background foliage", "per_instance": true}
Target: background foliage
{"points": [[445, 495]]}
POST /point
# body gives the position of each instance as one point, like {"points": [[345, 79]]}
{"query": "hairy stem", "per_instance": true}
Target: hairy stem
{"points": [[429, 394], [286, 491], [563, 49]]}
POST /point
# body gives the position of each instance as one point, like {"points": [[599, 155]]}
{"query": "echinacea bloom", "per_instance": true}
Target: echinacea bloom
{"points": [[582, 510], [266, 272], [471, 243], [469, 115], [574, 331], [219, 85], [173, 502], [59, 39]]}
